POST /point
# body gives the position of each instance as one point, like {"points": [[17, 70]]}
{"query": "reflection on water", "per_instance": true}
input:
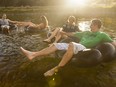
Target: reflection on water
{"points": [[84, 25]]}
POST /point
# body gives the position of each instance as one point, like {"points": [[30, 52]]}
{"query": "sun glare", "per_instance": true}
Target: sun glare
{"points": [[76, 3]]}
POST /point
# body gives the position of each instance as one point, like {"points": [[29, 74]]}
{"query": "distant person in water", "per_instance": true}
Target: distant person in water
{"points": [[5, 24], [88, 39], [69, 27], [42, 25]]}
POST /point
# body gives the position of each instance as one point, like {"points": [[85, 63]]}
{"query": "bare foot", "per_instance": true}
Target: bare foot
{"points": [[27, 53], [47, 41], [51, 72]]}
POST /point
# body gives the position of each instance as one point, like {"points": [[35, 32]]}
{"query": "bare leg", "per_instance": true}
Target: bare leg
{"points": [[58, 36], [66, 58], [43, 52], [54, 33]]}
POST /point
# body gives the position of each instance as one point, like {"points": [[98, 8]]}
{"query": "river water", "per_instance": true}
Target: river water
{"points": [[57, 20]]}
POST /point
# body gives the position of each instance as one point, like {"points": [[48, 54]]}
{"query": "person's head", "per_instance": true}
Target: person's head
{"points": [[4, 16], [95, 25], [71, 19]]}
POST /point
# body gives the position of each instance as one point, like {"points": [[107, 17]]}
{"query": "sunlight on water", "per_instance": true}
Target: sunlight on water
{"points": [[52, 83], [54, 80], [84, 25]]}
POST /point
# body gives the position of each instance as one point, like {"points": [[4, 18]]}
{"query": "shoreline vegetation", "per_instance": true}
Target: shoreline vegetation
{"points": [[62, 9]]}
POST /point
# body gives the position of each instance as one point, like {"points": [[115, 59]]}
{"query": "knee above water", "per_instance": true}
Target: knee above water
{"points": [[70, 44]]}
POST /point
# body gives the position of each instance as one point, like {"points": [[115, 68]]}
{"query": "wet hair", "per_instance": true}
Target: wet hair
{"points": [[3, 14], [97, 22], [72, 17]]}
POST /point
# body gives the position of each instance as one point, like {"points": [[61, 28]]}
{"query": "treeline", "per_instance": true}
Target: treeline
{"points": [[6, 3], [17, 3]]}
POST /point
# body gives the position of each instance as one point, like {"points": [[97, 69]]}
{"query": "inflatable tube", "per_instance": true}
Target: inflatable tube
{"points": [[85, 58], [88, 58], [114, 56], [107, 50], [102, 53]]}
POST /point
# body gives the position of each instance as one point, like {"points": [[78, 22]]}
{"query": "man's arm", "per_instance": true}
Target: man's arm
{"points": [[68, 34]]}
